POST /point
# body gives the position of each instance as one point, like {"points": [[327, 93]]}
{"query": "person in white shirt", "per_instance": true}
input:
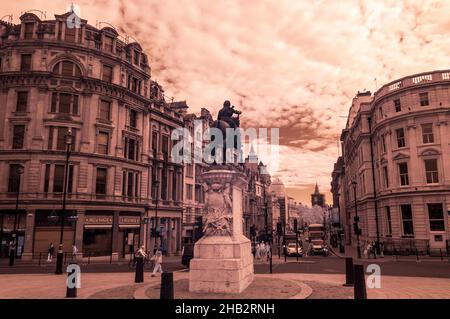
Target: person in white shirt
{"points": [[157, 258]]}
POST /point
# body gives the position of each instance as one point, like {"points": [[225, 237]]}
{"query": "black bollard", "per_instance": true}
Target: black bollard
{"points": [[166, 285], [360, 283], [139, 274], [349, 273], [270, 262], [12, 255], [71, 291]]}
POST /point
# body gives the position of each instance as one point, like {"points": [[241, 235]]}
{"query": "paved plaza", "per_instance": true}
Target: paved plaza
{"points": [[304, 285]]}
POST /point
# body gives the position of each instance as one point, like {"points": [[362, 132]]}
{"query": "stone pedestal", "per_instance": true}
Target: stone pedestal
{"points": [[223, 262]]}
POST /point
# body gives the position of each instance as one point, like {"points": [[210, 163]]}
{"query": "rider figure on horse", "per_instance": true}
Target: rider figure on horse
{"points": [[226, 114]]}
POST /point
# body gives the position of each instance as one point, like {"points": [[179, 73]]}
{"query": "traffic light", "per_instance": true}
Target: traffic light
{"points": [[252, 231], [356, 229], [198, 227], [295, 226], [279, 228]]}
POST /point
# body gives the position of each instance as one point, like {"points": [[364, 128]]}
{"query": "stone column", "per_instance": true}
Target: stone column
{"points": [[179, 236], [115, 233], [28, 245], [169, 236], [142, 232]]}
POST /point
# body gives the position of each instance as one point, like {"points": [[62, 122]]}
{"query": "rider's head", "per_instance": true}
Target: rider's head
{"points": [[226, 103]]}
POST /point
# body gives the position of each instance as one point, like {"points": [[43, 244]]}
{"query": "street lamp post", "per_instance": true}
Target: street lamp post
{"points": [[358, 248], [68, 140], [155, 229], [13, 249]]}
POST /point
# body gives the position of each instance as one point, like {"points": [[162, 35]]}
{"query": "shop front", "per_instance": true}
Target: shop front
{"points": [[97, 234], [47, 230], [107, 233], [129, 234], [12, 229]]}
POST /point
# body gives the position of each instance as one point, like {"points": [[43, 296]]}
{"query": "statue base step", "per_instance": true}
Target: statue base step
{"points": [[221, 264]]}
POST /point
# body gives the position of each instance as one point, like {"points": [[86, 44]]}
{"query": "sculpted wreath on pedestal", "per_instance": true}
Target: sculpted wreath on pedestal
{"points": [[219, 210]]}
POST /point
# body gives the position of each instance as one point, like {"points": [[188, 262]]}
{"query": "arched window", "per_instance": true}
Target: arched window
{"points": [[66, 68]]}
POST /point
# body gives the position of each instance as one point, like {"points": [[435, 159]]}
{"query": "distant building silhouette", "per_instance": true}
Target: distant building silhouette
{"points": [[317, 198]]}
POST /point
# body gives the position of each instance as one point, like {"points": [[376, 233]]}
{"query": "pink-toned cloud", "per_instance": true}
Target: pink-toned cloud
{"points": [[289, 64]]}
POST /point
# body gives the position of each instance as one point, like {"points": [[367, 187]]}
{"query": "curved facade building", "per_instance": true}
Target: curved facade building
{"points": [[406, 201], [56, 76]]}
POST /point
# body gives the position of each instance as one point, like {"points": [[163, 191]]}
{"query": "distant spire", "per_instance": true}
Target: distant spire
{"points": [[316, 190]]}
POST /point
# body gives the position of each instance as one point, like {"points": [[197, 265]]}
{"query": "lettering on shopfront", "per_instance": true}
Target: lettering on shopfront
{"points": [[108, 220]]}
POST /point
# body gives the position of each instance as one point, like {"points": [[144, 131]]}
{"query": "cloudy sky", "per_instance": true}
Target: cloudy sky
{"points": [[290, 64]]}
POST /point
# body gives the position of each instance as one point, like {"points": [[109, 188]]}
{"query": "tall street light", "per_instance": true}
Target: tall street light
{"points": [[155, 229], [13, 249], [356, 220], [68, 140]]}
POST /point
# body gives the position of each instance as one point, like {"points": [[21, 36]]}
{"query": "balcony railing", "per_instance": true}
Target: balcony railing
{"points": [[413, 80]]}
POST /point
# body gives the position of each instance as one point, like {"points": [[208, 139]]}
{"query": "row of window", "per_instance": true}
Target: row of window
{"points": [[431, 173], [68, 103], [423, 101], [435, 218], [427, 137], [74, 35], [69, 69], [54, 180], [56, 135]]}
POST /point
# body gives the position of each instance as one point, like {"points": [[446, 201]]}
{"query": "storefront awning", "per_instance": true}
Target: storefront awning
{"points": [[98, 226], [129, 226]]}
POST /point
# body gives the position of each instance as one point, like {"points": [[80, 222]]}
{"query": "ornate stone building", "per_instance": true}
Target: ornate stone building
{"points": [[194, 165], [396, 148], [56, 76]]}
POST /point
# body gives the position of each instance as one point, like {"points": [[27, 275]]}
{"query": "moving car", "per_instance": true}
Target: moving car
{"points": [[290, 250], [318, 247]]}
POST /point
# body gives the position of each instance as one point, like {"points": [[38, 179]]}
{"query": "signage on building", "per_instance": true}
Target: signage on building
{"points": [[98, 220], [129, 220]]}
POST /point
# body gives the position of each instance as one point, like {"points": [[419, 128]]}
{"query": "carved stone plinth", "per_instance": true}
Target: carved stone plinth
{"points": [[223, 262]]}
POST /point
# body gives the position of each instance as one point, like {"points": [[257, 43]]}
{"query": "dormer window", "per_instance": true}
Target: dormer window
{"points": [[29, 28], [70, 34], [66, 68], [136, 57], [108, 45]]}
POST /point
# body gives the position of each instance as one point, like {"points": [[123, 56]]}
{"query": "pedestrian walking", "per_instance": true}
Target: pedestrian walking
{"points": [[157, 259], [367, 251], [263, 251], [268, 250], [381, 250], [258, 251], [51, 251], [373, 249], [74, 253]]}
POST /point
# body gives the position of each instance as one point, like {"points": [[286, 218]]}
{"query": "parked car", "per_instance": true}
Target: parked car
{"points": [[188, 254], [290, 250]]}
